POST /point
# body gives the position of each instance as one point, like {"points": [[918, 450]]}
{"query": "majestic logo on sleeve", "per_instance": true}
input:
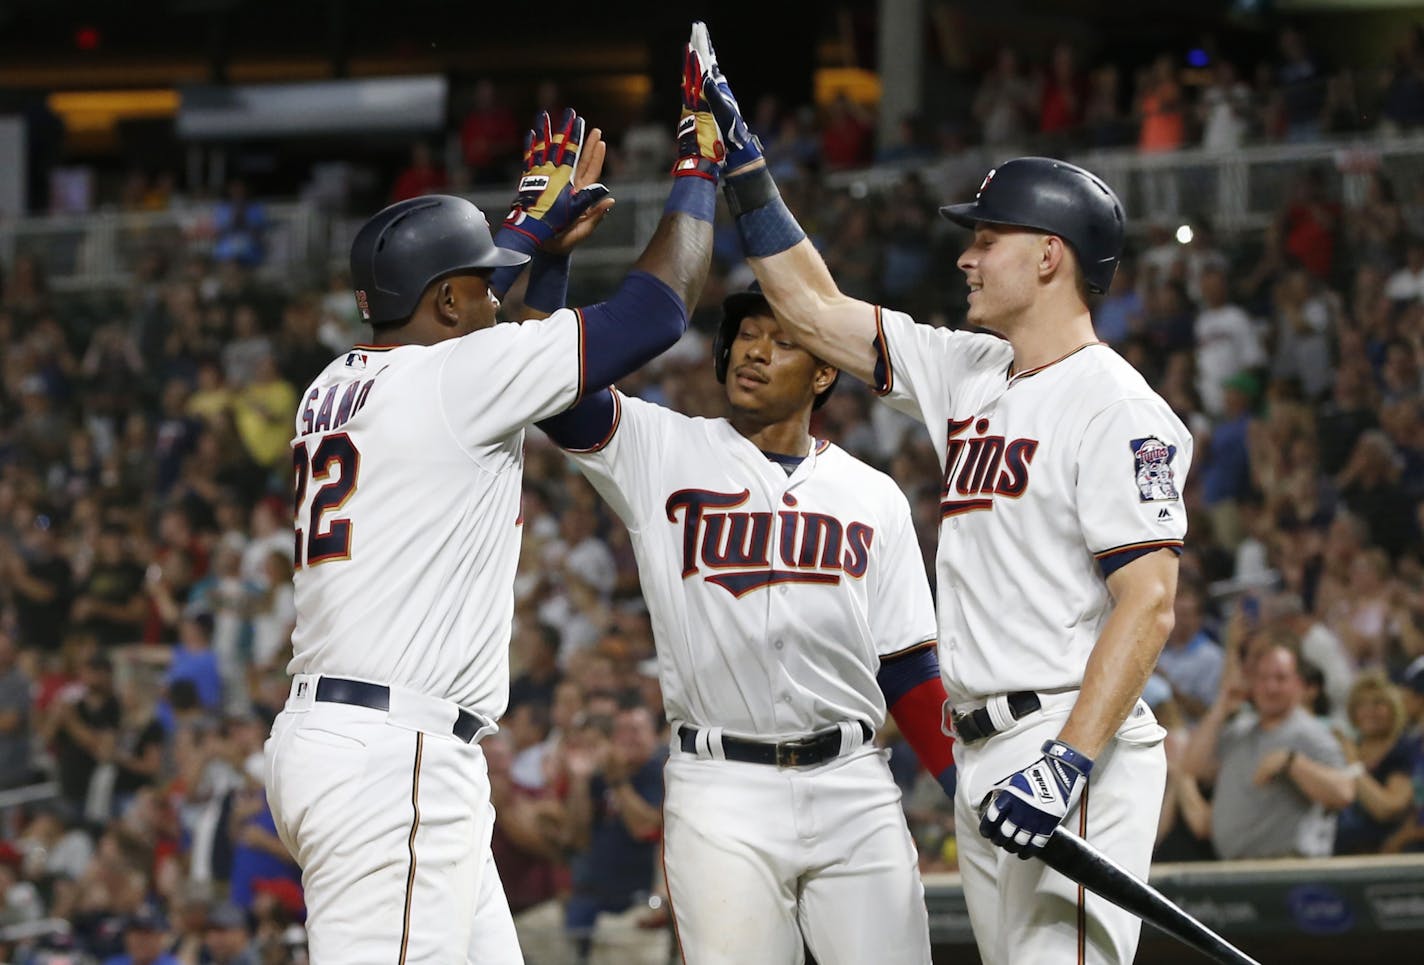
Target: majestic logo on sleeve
{"points": [[737, 546], [979, 467], [1152, 466]]}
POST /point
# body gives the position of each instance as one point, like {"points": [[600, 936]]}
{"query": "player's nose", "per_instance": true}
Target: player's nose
{"points": [[967, 261]]}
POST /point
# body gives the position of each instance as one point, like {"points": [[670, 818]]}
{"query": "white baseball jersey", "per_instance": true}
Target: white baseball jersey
{"points": [[772, 597], [409, 463], [1046, 475]]}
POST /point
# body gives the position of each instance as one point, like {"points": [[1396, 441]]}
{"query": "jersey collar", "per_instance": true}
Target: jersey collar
{"points": [[1016, 377]]}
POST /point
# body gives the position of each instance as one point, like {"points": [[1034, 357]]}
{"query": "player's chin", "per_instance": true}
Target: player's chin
{"points": [[743, 399]]}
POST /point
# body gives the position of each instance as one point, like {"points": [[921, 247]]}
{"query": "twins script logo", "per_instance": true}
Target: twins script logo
{"points": [[736, 546], [979, 467]]}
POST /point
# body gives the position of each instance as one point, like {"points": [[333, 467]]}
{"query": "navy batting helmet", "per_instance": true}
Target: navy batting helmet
{"points": [[736, 307], [1059, 198], [405, 247]]}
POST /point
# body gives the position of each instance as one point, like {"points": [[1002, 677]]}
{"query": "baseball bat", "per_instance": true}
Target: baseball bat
{"points": [[1074, 858]]}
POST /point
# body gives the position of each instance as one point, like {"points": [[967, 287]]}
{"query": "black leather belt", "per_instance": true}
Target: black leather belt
{"points": [[802, 752], [359, 693], [977, 725]]}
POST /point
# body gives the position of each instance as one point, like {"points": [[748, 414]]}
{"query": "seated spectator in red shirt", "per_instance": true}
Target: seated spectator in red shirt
{"points": [[423, 176], [1309, 223], [1060, 102], [846, 134], [489, 137]]}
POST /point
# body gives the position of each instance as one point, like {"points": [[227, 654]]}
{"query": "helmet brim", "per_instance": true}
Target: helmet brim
{"points": [[970, 216], [503, 258]]}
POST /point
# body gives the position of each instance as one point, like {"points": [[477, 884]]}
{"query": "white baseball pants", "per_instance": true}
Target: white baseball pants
{"points": [[1022, 911], [391, 826], [759, 857]]}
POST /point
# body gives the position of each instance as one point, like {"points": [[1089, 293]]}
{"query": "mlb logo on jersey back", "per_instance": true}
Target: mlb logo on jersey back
{"points": [[357, 360], [1152, 466]]}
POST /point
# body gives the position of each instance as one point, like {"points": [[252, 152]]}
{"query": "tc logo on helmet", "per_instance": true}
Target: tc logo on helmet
{"points": [[362, 305], [985, 183]]}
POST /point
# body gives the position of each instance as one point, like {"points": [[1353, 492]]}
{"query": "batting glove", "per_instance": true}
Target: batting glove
{"points": [[1020, 815], [700, 151], [743, 147], [547, 202]]}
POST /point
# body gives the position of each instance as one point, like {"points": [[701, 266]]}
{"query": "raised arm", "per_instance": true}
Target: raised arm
{"points": [[832, 326]]}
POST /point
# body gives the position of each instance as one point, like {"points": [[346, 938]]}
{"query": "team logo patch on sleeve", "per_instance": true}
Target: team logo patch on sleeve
{"points": [[1152, 465]]}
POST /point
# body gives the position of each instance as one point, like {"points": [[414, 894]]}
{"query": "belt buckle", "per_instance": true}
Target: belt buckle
{"points": [[789, 754]]}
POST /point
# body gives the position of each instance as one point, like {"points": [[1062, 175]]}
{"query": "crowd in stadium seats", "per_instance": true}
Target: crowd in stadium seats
{"points": [[145, 550]]}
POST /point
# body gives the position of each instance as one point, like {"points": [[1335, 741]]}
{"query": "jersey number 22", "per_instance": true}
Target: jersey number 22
{"points": [[315, 545]]}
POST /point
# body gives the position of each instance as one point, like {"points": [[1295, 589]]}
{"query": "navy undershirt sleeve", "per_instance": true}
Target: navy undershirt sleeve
{"points": [[587, 426], [643, 319], [900, 675]]}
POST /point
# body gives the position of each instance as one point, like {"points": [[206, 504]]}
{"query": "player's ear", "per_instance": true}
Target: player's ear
{"points": [[446, 303], [824, 377], [1052, 256]]}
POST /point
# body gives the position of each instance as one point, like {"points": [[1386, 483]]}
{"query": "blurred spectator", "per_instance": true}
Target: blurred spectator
{"points": [[1403, 102], [1226, 342], [1184, 826], [1102, 114], [1303, 88], [1191, 660], [1278, 773], [1302, 334], [145, 938], [239, 224], [1226, 473], [1309, 223], [83, 722], [1369, 485], [421, 176], [194, 660], [1120, 312], [244, 350], [1224, 109], [1004, 102], [15, 736], [138, 749], [489, 136], [1060, 95], [1381, 764], [846, 134], [227, 939], [1159, 105], [259, 859], [110, 603], [273, 611], [52, 849], [263, 410], [615, 817], [539, 645], [39, 580], [528, 847]]}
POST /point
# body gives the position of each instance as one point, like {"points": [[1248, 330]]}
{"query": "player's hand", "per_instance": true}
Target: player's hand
{"points": [[700, 151], [1020, 814], [549, 201], [586, 174], [743, 147]]}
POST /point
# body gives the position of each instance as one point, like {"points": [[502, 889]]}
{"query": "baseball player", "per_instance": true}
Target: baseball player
{"points": [[1061, 521], [790, 607], [408, 458]]}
